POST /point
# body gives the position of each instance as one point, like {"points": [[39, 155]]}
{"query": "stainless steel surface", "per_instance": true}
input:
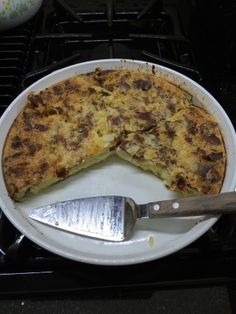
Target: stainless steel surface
{"points": [[99, 217], [112, 218]]}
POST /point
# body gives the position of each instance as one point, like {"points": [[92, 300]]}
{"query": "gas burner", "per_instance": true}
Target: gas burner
{"points": [[149, 34]]}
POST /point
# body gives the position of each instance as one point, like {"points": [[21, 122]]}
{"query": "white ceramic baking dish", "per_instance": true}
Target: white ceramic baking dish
{"points": [[151, 239]]}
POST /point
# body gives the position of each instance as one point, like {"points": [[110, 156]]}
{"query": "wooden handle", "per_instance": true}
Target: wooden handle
{"points": [[224, 203]]}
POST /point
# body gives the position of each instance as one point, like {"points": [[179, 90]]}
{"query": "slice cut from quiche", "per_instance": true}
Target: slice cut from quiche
{"points": [[136, 115]]}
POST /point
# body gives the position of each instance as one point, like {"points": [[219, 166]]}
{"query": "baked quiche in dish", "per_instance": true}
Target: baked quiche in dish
{"points": [[134, 114]]}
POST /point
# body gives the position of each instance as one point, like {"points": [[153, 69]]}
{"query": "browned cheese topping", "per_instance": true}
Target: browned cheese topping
{"points": [[138, 115]]}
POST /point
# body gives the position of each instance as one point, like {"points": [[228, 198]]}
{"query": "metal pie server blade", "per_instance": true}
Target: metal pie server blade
{"points": [[101, 217], [112, 218]]}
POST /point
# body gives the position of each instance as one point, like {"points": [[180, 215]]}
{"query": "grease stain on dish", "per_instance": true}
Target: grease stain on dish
{"points": [[151, 241]]}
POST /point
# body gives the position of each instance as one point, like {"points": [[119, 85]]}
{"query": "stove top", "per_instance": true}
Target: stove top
{"points": [[164, 32]]}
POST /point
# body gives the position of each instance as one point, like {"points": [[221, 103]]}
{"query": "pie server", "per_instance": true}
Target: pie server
{"points": [[112, 218]]}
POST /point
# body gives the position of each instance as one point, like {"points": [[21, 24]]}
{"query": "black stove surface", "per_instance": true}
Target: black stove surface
{"points": [[167, 33]]}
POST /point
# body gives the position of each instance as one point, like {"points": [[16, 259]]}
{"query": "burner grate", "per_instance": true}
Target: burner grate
{"points": [[101, 35], [14, 49], [146, 33], [12, 61]]}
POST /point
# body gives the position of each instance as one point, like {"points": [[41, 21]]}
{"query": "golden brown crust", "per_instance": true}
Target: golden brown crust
{"points": [[188, 146], [82, 119]]}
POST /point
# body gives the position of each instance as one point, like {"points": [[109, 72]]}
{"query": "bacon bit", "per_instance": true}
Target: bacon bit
{"points": [[171, 106], [113, 147], [32, 148], [10, 158], [69, 86], [201, 152], [212, 139], [139, 154], [51, 111], [66, 102], [73, 145], [124, 145], [98, 75], [16, 155], [58, 139], [147, 116], [88, 120], [203, 169], [85, 132], [118, 141], [43, 167], [215, 156], [170, 131], [126, 119], [188, 139], [181, 183], [207, 126], [18, 170], [192, 127], [16, 142], [35, 100], [115, 121], [153, 69], [165, 154], [138, 138], [27, 122], [109, 87], [124, 86], [61, 172], [212, 176], [40, 127], [91, 90], [164, 150], [142, 84], [58, 90]]}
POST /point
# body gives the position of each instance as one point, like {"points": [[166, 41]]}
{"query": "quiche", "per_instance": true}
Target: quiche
{"points": [[137, 115]]}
